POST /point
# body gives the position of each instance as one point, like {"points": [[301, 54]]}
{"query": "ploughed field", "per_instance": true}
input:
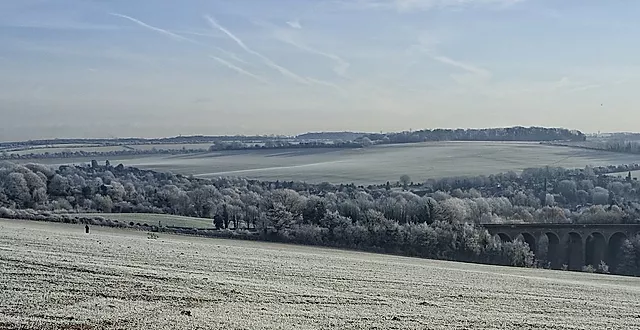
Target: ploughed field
{"points": [[375, 165], [54, 276]]}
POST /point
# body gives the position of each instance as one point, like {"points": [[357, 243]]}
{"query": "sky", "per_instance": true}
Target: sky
{"points": [[151, 68]]}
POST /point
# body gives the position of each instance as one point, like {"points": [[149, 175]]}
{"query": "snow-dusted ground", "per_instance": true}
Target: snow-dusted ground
{"points": [[53, 276]]}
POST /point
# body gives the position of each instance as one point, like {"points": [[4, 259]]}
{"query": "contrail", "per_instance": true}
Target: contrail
{"points": [[232, 56], [461, 65], [157, 29], [238, 69], [328, 84], [341, 65], [181, 38], [266, 60]]}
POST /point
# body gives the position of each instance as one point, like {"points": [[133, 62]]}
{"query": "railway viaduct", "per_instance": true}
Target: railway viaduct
{"points": [[574, 245]]}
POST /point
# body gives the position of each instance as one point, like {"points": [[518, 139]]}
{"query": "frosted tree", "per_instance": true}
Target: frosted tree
{"points": [[279, 217], [405, 180]]}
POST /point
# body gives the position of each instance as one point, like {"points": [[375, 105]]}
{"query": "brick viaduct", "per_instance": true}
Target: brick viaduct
{"points": [[574, 245]]}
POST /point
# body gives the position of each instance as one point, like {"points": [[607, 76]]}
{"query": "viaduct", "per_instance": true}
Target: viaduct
{"points": [[574, 245]]}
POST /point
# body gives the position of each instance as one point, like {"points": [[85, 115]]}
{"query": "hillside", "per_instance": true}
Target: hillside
{"points": [[58, 277]]}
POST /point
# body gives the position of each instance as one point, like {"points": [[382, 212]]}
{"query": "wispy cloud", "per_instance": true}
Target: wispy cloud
{"points": [[232, 56], [60, 26], [341, 66], [461, 65], [284, 71], [182, 38], [196, 33], [328, 84], [571, 85], [428, 45], [156, 29], [238, 69], [413, 5], [295, 24], [585, 87]]}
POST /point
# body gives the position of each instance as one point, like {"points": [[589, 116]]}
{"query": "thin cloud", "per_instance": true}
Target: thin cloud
{"points": [[60, 26], [232, 56], [156, 29], [461, 65], [266, 60], [428, 45], [341, 66], [197, 34], [238, 69], [585, 87], [182, 38], [423, 5], [295, 24], [328, 84]]}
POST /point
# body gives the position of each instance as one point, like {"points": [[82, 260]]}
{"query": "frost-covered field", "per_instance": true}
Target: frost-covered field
{"points": [[54, 276], [378, 164]]}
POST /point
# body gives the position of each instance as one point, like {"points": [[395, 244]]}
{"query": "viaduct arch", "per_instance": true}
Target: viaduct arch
{"points": [[574, 245]]}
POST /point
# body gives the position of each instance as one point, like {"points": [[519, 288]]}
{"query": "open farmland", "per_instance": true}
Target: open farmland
{"points": [[173, 146], [372, 165], [57, 149], [54, 276]]}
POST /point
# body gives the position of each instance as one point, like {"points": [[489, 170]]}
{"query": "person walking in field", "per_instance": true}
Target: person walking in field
{"points": [[86, 229]]}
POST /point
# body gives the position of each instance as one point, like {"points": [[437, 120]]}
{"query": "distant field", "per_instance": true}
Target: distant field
{"points": [[200, 146], [373, 165], [153, 219], [56, 277], [68, 149]]}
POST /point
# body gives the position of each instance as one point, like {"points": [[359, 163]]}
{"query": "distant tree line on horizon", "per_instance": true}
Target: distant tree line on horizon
{"points": [[612, 145], [517, 133], [190, 139], [440, 218], [88, 154]]}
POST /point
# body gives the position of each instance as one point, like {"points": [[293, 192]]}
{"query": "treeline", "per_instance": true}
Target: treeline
{"points": [[284, 144], [192, 139], [438, 219], [517, 133], [88, 154], [613, 145], [333, 136]]}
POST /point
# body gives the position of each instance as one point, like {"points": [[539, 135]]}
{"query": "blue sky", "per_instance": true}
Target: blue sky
{"points": [[158, 67]]}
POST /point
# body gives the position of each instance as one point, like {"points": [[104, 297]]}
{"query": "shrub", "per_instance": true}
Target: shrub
{"points": [[603, 267]]}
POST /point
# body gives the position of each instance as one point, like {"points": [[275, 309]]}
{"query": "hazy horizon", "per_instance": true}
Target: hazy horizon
{"points": [[116, 68], [292, 134]]}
